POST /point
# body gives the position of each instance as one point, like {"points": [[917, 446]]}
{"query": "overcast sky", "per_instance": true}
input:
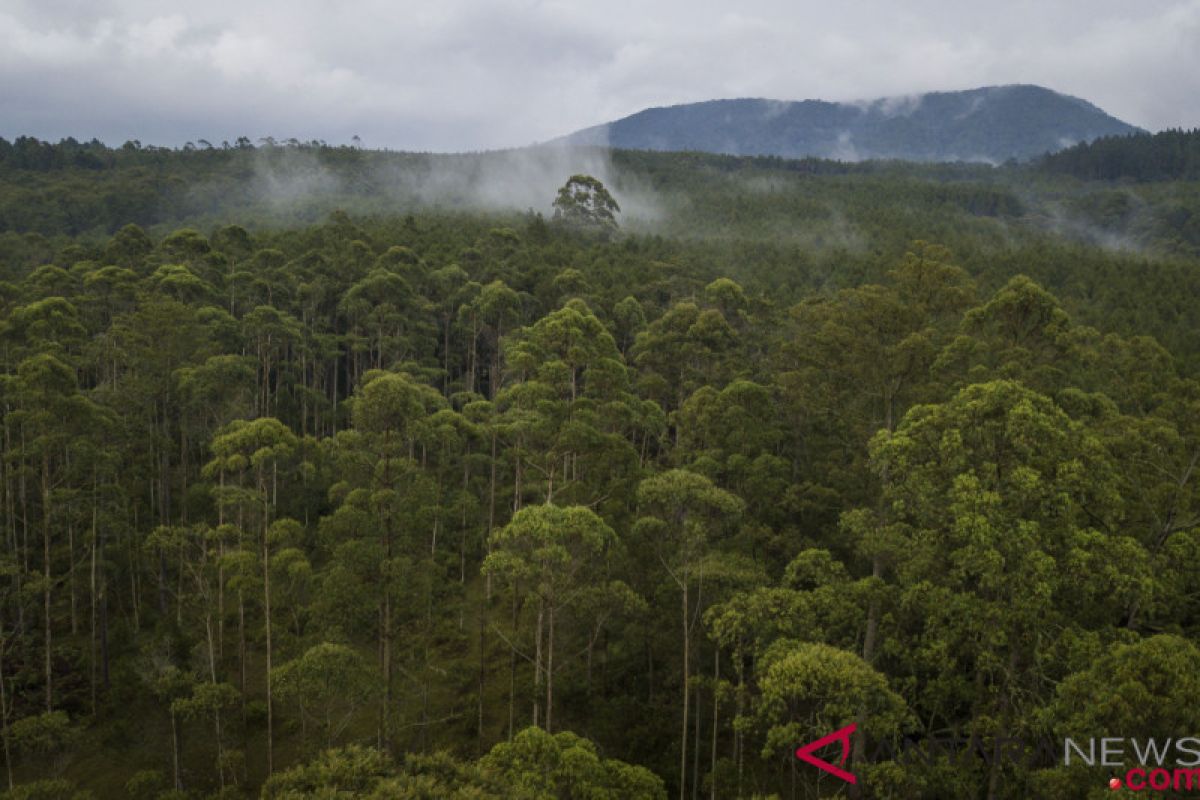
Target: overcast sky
{"points": [[468, 74]]}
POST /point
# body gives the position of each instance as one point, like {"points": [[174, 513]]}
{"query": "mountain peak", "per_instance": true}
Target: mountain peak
{"points": [[990, 123]]}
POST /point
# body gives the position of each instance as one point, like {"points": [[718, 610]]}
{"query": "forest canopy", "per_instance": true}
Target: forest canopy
{"points": [[369, 492]]}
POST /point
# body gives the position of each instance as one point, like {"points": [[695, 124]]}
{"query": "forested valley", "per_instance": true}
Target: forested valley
{"points": [[331, 472]]}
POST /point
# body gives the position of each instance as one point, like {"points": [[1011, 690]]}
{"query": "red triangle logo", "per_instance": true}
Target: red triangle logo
{"points": [[805, 753]]}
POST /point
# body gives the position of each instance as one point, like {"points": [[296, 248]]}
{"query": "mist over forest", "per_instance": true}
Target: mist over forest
{"points": [[579, 472]]}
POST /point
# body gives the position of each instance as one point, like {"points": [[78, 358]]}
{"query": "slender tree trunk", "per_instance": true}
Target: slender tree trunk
{"points": [[175, 752], [221, 577], [334, 394], [537, 660], [512, 671], [483, 609], [696, 745], [471, 366], [92, 595], [385, 638], [386, 645], [241, 615], [11, 525], [491, 523], [134, 568], [103, 622], [868, 652], [517, 477], [23, 490], [4, 710], [164, 515], [47, 576], [446, 355], [212, 674], [686, 694], [716, 720], [738, 741], [550, 670], [71, 583], [266, 556]]}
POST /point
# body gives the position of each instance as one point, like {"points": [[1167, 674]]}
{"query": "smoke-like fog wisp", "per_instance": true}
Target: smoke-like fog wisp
{"points": [[290, 179]]}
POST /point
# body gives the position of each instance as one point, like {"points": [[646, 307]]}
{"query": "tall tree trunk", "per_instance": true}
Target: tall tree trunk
{"points": [[686, 694], [483, 609], [738, 740], [385, 637], [716, 719], [47, 577], [471, 359], [266, 557], [446, 355], [4, 710], [164, 514], [212, 674], [241, 618], [175, 752], [868, 653], [221, 568], [550, 669], [71, 584], [512, 671], [92, 595], [333, 396], [696, 745], [537, 660], [103, 622]]}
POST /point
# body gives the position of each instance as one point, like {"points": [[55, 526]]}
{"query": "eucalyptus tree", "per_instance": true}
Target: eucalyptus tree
{"points": [[329, 683], [572, 408], [1002, 523], [683, 512], [50, 413], [1150, 692], [807, 690], [209, 699], [684, 349], [386, 316], [258, 450], [555, 553], [272, 334], [584, 203], [383, 483], [487, 314]]}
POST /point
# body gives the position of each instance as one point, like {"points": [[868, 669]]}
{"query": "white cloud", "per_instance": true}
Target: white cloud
{"points": [[469, 74]]}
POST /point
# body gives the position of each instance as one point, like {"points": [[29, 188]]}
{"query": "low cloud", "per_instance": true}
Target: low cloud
{"points": [[468, 75]]}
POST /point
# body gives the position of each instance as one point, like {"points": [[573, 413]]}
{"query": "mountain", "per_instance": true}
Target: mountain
{"points": [[991, 124]]}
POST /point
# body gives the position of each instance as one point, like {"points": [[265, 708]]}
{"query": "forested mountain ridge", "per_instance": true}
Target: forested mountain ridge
{"points": [[1164, 156], [468, 501], [991, 124]]}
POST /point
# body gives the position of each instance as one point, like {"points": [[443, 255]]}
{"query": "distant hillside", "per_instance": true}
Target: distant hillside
{"points": [[992, 124], [1165, 156]]}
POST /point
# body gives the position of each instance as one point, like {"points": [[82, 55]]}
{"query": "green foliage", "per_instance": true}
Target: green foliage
{"points": [[49, 789], [44, 734], [538, 765], [349, 772], [585, 204], [330, 683], [808, 690], [703, 489]]}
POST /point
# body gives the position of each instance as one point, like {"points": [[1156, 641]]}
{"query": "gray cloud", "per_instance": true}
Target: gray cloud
{"points": [[470, 74]]}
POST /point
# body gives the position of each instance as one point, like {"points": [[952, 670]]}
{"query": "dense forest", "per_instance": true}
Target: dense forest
{"points": [[331, 472]]}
